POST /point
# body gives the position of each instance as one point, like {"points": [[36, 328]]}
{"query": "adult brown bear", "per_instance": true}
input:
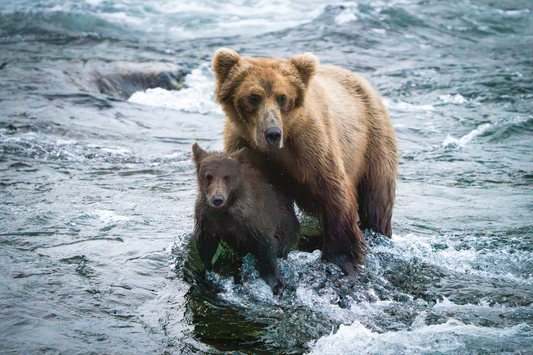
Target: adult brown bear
{"points": [[321, 135]]}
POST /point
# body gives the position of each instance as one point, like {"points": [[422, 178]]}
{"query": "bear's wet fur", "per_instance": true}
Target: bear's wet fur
{"points": [[321, 135], [236, 206]]}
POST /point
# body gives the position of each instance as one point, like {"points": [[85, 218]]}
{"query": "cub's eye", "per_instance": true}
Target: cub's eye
{"points": [[226, 177], [254, 99], [282, 99], [209, 177]]}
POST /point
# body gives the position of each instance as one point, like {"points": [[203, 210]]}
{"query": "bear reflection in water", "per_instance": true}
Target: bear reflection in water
{"points": [[237, 207]]}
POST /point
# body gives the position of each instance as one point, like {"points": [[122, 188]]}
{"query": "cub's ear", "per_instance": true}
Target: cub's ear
{"points": [[197, 154], [241, 155], [306, 64], [223, 61]]}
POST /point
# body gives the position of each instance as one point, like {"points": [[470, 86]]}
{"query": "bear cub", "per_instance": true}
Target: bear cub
{"points": [[236, 206]]}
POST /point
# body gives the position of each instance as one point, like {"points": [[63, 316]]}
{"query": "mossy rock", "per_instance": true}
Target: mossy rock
{"points": [[227, 262]]}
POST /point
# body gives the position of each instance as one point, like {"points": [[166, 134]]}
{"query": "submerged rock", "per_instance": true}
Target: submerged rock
{"points": [[120, 80]]}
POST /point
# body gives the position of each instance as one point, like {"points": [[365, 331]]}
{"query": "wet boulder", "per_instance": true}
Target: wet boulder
{"points": [[121, 79]]}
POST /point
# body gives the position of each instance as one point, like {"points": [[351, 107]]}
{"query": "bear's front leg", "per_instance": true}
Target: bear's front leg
{"points": [[343, 243], [262, 247], [207, 245]]}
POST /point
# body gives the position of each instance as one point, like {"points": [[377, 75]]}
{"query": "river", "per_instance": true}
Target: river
{"points": [[97, 188]]}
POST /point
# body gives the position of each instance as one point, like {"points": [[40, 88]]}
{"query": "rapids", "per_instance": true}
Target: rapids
{"points": [[101, 100]]}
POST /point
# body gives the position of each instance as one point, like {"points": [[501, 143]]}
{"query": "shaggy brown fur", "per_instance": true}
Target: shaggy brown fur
{"points": [[321, 135], [236, 206]]}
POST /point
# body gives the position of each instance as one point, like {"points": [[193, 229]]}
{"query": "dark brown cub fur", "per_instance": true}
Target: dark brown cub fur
{"points": [[236, 206]]}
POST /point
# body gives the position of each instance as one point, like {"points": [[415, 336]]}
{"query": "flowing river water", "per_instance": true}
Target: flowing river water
{"points": [[101, 100]]}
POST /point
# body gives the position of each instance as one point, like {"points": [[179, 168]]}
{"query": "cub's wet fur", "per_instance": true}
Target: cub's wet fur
{"points": [[236, 206]]}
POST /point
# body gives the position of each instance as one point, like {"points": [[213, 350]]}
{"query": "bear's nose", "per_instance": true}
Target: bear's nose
{"points": [[273, 136], [218, 200]]}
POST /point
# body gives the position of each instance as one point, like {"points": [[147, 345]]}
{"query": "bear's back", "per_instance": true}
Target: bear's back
{"points": [[355, 112], [346, 87]]}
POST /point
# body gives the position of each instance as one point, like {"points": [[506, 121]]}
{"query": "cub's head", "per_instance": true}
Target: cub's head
{"points": [[262, 95], [220, 175]]}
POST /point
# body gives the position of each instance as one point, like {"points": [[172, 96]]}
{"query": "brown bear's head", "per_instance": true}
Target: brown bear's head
{"points": [[219, 175], [262, 96]]}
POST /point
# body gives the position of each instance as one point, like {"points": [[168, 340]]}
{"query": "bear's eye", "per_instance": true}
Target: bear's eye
{"points": [[226, 177], [282, 99], [254, 99], [209, 177]]}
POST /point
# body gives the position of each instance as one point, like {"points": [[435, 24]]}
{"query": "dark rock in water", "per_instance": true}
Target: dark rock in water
{"points": [[311, 238], [121, 79], [227, 262]]}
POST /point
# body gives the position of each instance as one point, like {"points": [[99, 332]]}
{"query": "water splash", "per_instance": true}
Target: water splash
{"points": [[451, 142], [450, 337], [197, 97]]}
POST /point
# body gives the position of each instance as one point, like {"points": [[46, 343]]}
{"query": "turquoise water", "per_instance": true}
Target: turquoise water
{"points": [[97, 187]]}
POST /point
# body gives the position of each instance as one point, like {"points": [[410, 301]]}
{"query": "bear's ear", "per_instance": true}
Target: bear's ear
{"points": [[223, 61], [241, 155], [306, 64], [197, 154]]}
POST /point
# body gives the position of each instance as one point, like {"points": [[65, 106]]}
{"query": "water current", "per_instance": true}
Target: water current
{"points": [[100, 101]]}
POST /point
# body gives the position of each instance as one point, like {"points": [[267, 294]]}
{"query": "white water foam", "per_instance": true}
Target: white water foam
{"points": [[196, 98], [109, 217], [237, 17], [451, 142], [403, 106], [500, 264], [450, 337], [248, 294], [457, 99], [406, 107], [188, 19], [346, 15], [314, 291]]}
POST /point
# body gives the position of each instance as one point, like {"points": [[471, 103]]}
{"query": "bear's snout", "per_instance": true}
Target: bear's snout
{"points": [[269, 131], [218, 200], [273, 136]]}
